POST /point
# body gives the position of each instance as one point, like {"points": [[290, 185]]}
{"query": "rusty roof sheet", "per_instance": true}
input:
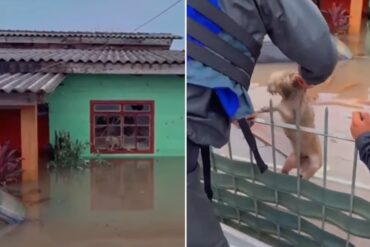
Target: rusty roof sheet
{"points": [[59, 34], [30, 82], [93, 56]]}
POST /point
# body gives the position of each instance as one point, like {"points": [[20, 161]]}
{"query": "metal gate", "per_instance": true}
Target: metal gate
{"points": [[286, 210]]}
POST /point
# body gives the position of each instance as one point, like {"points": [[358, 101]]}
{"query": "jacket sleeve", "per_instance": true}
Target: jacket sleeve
{"points": [[363, 146], [301, 33]]}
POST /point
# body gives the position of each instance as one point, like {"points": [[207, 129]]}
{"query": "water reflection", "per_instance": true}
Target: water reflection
{"points": [[128, 203], [128, 186]]}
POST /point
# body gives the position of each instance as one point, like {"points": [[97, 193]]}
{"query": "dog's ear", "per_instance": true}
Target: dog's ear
{"points": [[298, 82]]}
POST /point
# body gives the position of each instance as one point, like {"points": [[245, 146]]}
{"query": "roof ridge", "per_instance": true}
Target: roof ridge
{"points": [[19, 32]]}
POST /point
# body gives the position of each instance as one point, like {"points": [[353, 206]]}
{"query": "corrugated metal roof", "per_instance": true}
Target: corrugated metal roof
{"points": [[93, 56], [30, 82], [25, 33]]}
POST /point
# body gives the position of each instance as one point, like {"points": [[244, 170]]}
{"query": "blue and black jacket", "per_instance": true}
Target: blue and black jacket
{"points": [[297, 28], [363, 146], [233, 97]]}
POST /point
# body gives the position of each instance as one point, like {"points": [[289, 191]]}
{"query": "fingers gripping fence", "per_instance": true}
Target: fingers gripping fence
{"points": [[287, 210]]}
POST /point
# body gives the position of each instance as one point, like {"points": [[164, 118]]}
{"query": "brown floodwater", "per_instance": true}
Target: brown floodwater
{"points": [[127, 203], [349, 84]]}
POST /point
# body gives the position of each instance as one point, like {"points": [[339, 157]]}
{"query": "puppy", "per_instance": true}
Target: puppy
{"points": [[114, 142], [286, 84]]}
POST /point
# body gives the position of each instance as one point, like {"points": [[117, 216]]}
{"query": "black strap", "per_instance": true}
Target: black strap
{"points": [[215, 43], [227, 24], [206, 160], [249, 137], [218, 63], [206, 157]]}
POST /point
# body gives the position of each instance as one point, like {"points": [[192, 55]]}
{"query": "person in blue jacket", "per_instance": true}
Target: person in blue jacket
{"points": [[360, 130], [224, 39]]}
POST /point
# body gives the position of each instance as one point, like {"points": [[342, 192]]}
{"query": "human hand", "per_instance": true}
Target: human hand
{"points": [[360, 124]]}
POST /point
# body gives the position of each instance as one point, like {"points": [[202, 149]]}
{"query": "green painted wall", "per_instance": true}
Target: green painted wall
{"points": [[69, 106]]}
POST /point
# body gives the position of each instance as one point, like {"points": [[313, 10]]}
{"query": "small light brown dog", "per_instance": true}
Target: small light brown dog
{"points": [[286, 84]]}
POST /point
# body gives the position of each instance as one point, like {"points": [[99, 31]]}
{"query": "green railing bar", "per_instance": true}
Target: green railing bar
{"points": [[284, 219], [266, 226], [358, 227], [284, 183]]}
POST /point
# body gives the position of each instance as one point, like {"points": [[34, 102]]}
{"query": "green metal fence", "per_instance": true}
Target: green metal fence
{"points": [[286, 210]]}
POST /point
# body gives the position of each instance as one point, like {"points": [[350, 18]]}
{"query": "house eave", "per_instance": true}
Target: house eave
{"points": [[19, 99], [110, 68]]}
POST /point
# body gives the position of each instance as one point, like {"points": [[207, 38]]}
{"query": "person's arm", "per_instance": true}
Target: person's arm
{"points": [[363, 146], [360, 130], [300, 31]]}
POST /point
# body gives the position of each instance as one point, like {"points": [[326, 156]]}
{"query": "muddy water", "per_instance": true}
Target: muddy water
{"points": [[129, 203], [350, 81]]}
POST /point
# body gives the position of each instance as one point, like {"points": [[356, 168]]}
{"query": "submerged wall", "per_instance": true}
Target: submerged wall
{"points": [[69, 106]]}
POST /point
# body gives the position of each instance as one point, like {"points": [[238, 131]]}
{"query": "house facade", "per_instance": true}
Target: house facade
{"points": [[123, 93]]}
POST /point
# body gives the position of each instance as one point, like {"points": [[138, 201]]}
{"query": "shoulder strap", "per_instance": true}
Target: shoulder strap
{"points": [[227, 24], [218, 45], [206, 162], [249, 137], [218, 63], [216, 52], [206, 157]]}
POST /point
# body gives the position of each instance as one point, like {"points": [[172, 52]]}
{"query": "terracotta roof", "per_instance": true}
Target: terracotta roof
{"points": [[93, 56], [59, 34], [30, 82]]}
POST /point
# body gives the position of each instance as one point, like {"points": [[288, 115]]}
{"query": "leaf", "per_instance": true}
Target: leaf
{"points": [[10, 164]]}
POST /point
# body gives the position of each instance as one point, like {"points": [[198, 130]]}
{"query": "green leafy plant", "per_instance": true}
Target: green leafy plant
{"points": [[10, 165], [67, 153], [99, 160]]}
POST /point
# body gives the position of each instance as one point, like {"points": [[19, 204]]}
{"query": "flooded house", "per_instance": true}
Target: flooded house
{"points": [[123, 93]]}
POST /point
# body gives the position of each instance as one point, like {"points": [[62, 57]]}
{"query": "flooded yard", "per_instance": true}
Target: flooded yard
{"points": [[136, 202]]}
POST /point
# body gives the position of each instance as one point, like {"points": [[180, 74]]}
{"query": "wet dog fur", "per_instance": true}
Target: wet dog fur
{"points": [[286, 84]]}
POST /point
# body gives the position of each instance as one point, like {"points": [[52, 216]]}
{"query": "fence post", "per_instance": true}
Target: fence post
{"points": [[326, 130], [352, 191], [274, 161], [230, 148], [297, 114]]}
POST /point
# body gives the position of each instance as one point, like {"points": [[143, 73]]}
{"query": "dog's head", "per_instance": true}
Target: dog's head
{"points": [[286, 84]]}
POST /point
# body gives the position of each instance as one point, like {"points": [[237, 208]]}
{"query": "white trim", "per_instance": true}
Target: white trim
{"points": [[244, 239]]}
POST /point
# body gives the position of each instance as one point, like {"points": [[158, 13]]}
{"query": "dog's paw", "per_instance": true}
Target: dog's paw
{"points": [[264, 109], [272, 88]]}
